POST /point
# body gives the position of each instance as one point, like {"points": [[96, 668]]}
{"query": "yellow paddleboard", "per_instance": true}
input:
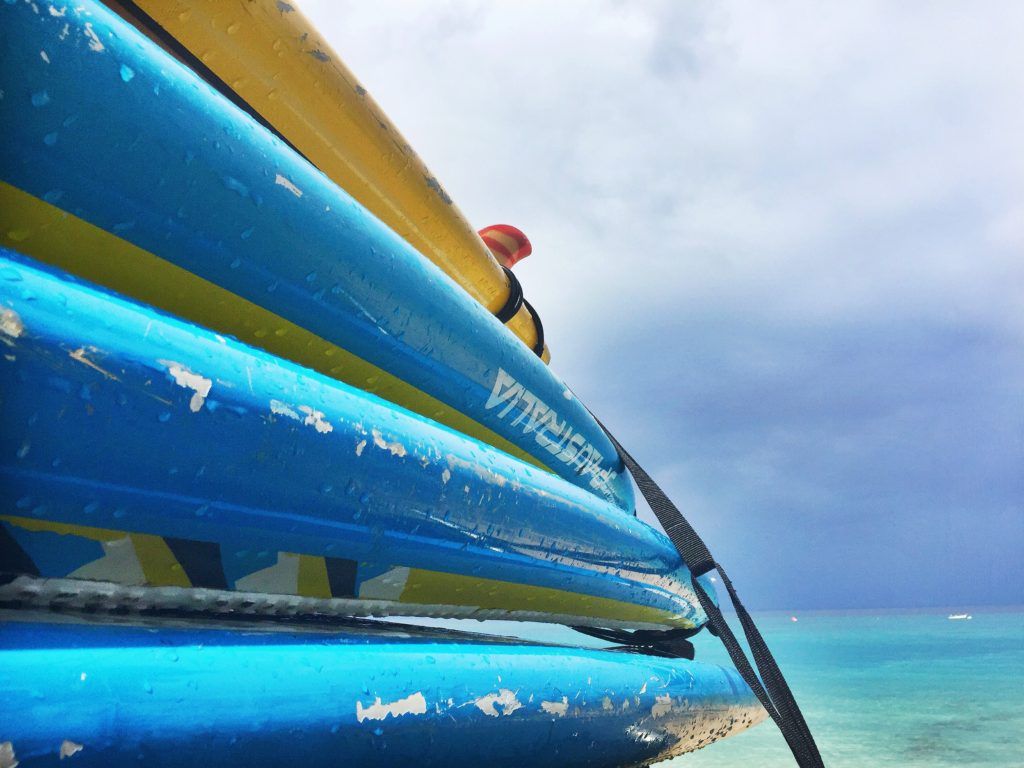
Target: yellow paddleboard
{"points": [[268, 58]]}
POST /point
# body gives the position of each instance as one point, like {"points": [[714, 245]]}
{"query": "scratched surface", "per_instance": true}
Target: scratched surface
{"points": [[139, 449], [104, 131], [81, 694]]}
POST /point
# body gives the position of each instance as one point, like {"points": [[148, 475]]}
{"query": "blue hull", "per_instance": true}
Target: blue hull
{"points": [[143, 450], [103, 130], [102, 695]]}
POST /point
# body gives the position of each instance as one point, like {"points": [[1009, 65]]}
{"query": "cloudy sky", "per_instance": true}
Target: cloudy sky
{"points": [[778, 247]]}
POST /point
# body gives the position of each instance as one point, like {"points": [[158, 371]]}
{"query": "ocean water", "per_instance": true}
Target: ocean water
{"points": [[910, 689]]}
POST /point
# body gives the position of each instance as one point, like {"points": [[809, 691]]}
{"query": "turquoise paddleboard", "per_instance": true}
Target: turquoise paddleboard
{"points": [[168, 694]]}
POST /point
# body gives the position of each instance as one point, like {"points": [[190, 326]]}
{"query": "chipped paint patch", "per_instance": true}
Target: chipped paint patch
{"points": [[606, 703], [414, 704], [95, 44], [7, 756], [662, 705], [316, 419], [281, 181], [283, 409], [446, 476], [435, 185], [79, 356], [485, 474], [69, 748], [11, 325], [504, 698], [185, 378], [556, 708], [395, 447], [359, 447]]}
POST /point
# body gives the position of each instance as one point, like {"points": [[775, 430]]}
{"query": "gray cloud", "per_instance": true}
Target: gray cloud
{"points": [[777, 246]]}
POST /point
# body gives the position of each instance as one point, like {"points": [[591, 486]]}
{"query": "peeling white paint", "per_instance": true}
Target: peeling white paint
{"points": [[504, 698], [485, 474], [185, 378], [10, 324], [446, 476], [316, 419], [79, 356], [643, 689], [281, 181], [557, 708], [283, 409], [359, 447], [414, 704], [396, 448], [58, 12], [606, 703], [69, 748], [95, 44], [44, 57], [7, 756], [662, 705]]}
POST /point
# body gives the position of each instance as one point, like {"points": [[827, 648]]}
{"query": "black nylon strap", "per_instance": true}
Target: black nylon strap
{"points": [[515, 298], [538, 348], [770, 688]]}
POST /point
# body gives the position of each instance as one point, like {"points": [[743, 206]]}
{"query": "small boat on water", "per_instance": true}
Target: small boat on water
{"points": [[959, 617]]}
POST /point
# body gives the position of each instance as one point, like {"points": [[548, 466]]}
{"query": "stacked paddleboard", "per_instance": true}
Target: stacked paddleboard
{"points": [[252, 367], [111, 694]]}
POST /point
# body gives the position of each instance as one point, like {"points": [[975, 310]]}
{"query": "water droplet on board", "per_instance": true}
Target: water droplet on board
{"points": [[50, 139], [127, 73], [40, 99]]}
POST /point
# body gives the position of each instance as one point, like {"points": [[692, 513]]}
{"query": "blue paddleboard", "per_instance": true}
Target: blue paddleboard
{"points": [[141, 450], [84, 695], [174, 196]]}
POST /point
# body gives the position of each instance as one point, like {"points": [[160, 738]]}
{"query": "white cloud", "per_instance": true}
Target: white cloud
{"points": [[778, 243], [707, 153]]}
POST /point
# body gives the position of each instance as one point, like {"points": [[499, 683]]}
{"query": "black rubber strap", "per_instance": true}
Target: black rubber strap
{"points": [[770, 688], [538, 326], [670, 643], [515, 298]]}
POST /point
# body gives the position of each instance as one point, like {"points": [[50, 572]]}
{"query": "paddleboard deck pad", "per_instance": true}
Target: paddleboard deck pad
{"points": [[174, 693]]}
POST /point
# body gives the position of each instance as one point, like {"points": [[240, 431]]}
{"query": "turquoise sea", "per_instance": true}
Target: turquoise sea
{"points": [[910, 689], [878, 688]]}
